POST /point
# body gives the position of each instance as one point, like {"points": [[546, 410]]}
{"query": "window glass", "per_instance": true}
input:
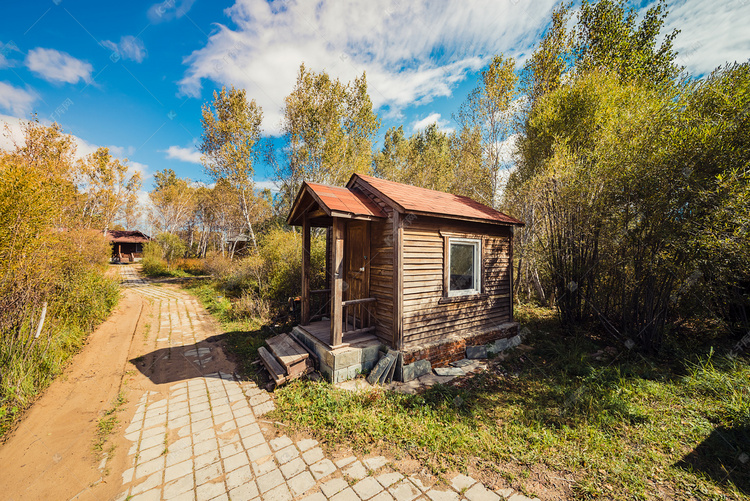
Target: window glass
{"points": [[463, 276]]}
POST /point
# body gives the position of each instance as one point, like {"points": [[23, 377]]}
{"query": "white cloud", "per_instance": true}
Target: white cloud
{"points": [[140, 168], [168, 10], [190, 155], [83, 147], [506, 149], [56, 66], [6, 49], [16, 100], [129, 47], [10, 131], [412, 52], [271, 185], [433, 118], [711, 33]]}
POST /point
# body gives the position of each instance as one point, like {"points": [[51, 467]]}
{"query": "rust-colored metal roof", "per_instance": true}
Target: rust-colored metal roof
{"points": [[421, 200], [127, 236], [335, 201], [341, 199]]}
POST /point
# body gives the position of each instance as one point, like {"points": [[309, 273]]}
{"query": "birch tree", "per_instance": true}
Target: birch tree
{"points": [[488, 114], [108, 186], [173, 200], [329, 127], [230, 146]]}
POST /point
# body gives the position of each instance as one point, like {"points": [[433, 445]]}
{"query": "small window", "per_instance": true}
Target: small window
{"points": [[464, 264]]}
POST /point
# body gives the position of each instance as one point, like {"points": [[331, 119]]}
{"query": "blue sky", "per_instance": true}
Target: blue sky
{"points": [[133, 75]]}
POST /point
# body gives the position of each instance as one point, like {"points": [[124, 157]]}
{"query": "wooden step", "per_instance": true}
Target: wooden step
{"points": [[287, 350], [277, 372]]}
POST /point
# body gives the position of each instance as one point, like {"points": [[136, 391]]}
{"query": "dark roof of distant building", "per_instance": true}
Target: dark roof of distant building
{"points": [[127, 236]]}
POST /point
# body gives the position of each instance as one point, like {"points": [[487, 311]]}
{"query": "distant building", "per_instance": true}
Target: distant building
{"points": [[127, 245]]}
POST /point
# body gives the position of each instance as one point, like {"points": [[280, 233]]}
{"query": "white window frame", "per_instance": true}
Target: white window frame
{"points": [[477, 243]]}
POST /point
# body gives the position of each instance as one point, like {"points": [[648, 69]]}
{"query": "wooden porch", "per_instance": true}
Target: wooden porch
{"points": [[351, 337], [344, 314]]}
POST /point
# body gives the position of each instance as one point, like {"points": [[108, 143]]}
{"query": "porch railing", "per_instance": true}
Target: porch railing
{"points": [[360, 314]]}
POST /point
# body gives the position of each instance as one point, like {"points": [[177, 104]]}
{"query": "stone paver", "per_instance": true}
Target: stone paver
{"points": [[199, 437], [480, 493], [367, 488]]}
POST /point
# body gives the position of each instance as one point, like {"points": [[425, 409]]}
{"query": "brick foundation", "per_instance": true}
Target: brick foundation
{"points": [[445, 351]]}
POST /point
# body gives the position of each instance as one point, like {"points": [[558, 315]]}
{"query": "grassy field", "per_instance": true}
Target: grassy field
{"points": [[619, 425], [612, 423]]}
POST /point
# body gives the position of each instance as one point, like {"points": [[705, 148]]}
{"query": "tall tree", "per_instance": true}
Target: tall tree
{"points": [[424, 159], [46, 148], [230, 146], [328, 129], [606, 37], [108, 186], [173, 200], [488, 114]]}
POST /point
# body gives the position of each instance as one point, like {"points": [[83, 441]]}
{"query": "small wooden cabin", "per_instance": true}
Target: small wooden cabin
{"points": [[424, 272], [127, 245]]}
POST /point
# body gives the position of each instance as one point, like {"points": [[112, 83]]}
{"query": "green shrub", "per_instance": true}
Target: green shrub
{"points": [[153, 264], [47, 273], [265, 280], [281, 251], [163, 257], [172, 247]]}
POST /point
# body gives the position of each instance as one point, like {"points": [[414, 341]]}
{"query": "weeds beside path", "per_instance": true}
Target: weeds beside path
{"points": [[49, 455], [554, 418]]}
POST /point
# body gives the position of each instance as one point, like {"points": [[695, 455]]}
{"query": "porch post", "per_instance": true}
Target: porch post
{"points": [[337, 280], [305, 306]]}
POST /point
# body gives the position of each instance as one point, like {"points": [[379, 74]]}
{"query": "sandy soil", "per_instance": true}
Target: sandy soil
{"points": [[50, 454]]}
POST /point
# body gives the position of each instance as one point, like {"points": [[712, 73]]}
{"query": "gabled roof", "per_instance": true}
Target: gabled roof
{"points": [[127, 236], [352, 203], [334, 201], [406, 198]]}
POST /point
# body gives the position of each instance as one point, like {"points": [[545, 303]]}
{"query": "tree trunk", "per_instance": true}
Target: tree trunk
{"points": [[517, 282], [246, 213], [538, 286]]}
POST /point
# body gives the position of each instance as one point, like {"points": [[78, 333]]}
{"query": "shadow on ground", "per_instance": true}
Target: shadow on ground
{"points": [[178, 363], [724, 456]]}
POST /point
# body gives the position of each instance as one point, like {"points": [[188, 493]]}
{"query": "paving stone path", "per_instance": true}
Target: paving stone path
{"points": [[202, 438]]}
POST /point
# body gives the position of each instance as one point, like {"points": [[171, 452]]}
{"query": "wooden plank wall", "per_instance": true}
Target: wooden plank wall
{"points": [[425, 320], [381, 272]]}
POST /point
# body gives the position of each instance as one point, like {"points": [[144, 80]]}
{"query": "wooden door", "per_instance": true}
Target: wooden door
{"points": [[357, 250]]}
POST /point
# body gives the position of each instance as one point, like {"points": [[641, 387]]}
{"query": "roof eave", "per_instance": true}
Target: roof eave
{"points": [[385, 198], [466, 218], [305, 188]]}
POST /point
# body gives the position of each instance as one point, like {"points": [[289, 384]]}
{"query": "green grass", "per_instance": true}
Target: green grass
{"points": [[628, 428], [624, 427], [106, 424]]}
